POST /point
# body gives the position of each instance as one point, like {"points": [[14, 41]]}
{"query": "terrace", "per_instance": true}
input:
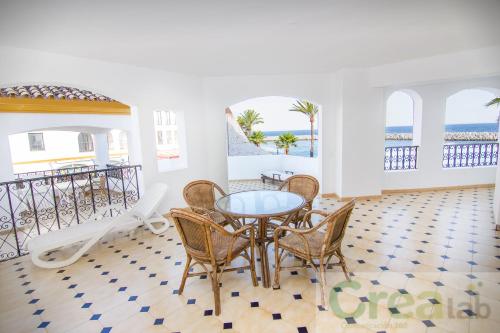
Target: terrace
{"points": [[166, 167]]}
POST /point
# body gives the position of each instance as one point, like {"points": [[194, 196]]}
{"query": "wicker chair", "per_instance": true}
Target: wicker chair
{"points": [[306, 186], [312, 244], [213, 248], [200, 195]]}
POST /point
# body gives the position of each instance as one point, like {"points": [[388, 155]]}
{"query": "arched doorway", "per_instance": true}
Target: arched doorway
{"points": [[272, 137]]}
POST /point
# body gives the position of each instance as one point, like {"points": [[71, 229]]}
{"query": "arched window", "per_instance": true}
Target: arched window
{"points": [[85, 142], [399, 120], [402, 130], [123, 141], [471, 129]]}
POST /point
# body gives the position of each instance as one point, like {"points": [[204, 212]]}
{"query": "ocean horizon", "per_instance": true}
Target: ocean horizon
{"points": [[479, 127], [303, 146]]}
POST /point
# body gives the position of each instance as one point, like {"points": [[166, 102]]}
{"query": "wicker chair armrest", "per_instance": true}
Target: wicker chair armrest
{"points": [[315, 211], [307, 216], [242, 230], [283, 228]]}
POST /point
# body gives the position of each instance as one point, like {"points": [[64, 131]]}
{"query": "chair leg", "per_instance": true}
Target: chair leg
{"points": [[322, 282], [252, 262], [309, 223], [277, 266], [216, 290], [343, 265], [185, 274]]}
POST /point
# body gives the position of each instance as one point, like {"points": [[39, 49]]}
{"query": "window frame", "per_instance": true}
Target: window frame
{"points": [[173, 127], [31, 144], [85, 145]]}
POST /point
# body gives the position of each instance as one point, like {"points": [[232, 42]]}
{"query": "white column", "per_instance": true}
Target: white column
{"points": [[6, 169], [496, 198], [433, 120], [101, 149]]}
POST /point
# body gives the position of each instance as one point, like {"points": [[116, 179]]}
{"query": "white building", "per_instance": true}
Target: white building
{"points": [[46, 150]]}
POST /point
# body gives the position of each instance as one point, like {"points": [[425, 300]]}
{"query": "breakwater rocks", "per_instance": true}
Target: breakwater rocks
{"points": [[470, 136], [399, 136], [450, 136]]}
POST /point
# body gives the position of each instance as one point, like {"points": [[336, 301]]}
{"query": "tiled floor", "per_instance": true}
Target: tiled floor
{"points": [[437, 249]]}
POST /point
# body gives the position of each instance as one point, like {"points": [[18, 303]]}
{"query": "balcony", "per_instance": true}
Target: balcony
{"points": [[470, 155], [33, 206]]}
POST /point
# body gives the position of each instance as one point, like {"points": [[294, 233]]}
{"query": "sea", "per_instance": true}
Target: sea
{"points": [[303, 146], [479, 127]]}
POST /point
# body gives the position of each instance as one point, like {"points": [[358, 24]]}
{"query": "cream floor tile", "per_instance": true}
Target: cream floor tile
{"points": [[439, 229]]}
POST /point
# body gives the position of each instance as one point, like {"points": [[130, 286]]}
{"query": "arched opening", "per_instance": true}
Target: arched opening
{"points": [[402, 130], [270, 138], [471, 129]]}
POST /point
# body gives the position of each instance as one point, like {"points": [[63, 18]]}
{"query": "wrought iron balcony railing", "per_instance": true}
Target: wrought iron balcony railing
{"points": [[55, 172], [30, 207], [470, 155], [400, 158]]}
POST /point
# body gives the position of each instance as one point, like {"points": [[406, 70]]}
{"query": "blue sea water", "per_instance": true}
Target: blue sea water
{"points": [[480, 127], [486, 127], [296, 132], [303, 146]]}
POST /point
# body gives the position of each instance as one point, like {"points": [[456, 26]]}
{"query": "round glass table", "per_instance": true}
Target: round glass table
{"points": [[261, 205]]}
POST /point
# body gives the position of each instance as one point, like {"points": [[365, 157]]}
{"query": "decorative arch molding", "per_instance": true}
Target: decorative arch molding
{"points": [[58, 100]]}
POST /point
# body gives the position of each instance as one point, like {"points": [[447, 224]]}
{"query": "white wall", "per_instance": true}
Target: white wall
{"points": [[251, 167], [361, 133], [351, 122], [143, 89], [445, 67]]}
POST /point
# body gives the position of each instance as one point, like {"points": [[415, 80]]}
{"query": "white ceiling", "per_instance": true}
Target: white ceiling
{"points": [[251, 37]]}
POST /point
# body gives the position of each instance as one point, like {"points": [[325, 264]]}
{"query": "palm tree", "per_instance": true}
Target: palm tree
{"points": [[310, 110], [285, 141], [248, 119], [257, 138], [494, 101]]}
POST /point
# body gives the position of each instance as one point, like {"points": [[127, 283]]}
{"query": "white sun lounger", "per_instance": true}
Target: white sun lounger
{"points": [[143, 212]]}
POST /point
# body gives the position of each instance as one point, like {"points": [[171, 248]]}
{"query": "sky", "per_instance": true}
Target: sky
{"points": [[465, 107], [274, 111]]}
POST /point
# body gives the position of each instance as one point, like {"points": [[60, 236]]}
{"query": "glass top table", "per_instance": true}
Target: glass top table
{"points": [[261, 205]]}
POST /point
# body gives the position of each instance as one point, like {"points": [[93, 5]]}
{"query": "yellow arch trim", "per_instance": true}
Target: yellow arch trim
{"points": [[57, 106]]}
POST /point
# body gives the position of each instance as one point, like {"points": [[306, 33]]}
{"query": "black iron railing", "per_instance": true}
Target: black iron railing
{"points": [[30, 207], [54, 172], [470, 155], [400, 158]]}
